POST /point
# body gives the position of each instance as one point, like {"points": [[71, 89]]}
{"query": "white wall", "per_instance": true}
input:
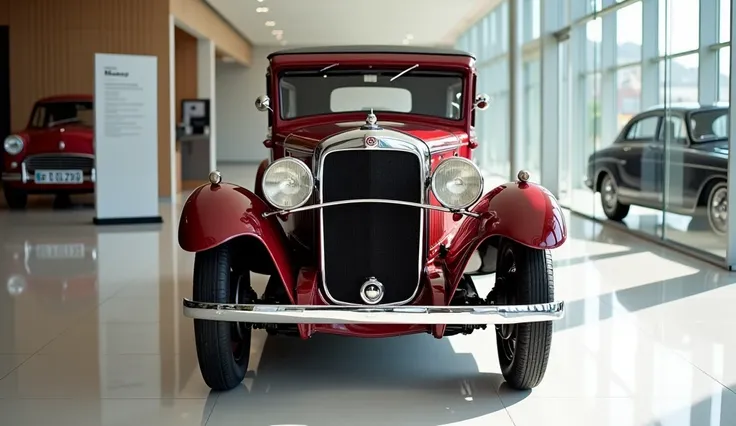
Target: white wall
{"points": [[241, 128]]}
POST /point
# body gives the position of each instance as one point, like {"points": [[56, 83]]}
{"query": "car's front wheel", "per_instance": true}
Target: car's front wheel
{"points": [[16, 199], [523, 276], [223, 348]]}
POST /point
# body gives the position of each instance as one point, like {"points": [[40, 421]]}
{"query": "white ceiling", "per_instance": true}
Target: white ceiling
{"points": [[336, 22]]}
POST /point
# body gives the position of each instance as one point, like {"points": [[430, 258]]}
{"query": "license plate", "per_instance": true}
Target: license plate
{"points": [[59, 251], [59, 176]]}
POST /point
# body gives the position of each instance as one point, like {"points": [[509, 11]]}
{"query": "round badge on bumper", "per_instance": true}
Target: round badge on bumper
{"points": [[371, 291]]}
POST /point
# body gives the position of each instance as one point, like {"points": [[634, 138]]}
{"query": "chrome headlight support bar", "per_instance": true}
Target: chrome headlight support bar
{"points": [[372, 200]]}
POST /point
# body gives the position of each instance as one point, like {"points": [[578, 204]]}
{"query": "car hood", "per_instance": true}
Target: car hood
{"points": [[307, 138], [76, 140]]}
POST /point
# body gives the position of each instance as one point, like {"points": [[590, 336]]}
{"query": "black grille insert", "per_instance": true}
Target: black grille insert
{"points": [[59, 162], [372, 239]]}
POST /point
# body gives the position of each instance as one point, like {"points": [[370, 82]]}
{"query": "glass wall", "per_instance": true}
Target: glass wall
{"points": [[643, 91]]}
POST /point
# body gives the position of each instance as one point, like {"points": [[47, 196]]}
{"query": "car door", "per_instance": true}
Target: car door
{"points": [[673, 161], [642, 159]]}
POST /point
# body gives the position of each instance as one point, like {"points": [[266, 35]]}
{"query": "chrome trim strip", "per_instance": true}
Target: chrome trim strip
{"points": [[389, 140], [330, 314], [26, 178], [372, 200]]}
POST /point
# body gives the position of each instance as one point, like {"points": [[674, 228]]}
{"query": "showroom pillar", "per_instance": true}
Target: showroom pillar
{"points": [[550, 116], [609, 80], [650, 84], [206, 90], [708, 58], [731, 247], [516, 92]]}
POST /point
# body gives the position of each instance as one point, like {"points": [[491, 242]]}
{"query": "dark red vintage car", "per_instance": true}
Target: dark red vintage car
{"points": [[366, 216], [54, 154]]}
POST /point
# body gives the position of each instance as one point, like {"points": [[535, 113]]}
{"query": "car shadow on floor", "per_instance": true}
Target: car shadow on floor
{"points": [[409, 380]]}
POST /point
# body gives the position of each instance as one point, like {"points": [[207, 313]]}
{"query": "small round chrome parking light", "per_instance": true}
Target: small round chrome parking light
{"points": [[371, 291]]}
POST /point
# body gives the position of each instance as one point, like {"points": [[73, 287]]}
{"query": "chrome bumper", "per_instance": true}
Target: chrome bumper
{"points": [[332, 314]]}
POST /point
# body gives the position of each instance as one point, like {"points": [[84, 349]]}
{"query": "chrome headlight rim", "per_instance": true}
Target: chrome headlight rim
{"points": [[464, 160], [308, 173], [11, 139]]}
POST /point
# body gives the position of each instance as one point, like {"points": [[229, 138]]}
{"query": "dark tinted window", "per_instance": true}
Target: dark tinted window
{"points": [[709, 125], [305, 93]]}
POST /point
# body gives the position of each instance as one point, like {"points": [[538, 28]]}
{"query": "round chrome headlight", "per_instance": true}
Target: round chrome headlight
{"points": [[287, 183], [13, 144], [457, 183]]}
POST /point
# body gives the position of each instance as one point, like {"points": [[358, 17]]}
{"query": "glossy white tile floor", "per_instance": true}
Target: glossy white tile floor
{"points": [[97, 338]]}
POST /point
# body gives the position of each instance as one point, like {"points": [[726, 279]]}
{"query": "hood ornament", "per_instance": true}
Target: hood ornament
{"points": [[370, 122]]}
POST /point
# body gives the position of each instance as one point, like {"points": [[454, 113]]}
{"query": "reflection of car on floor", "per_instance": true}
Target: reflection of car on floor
{"points": [[63, 270], [633, 169], [54, 154], [366, 224]]}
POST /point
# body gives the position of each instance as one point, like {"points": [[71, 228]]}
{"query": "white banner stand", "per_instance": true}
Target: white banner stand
{"points": [[126, 139]]}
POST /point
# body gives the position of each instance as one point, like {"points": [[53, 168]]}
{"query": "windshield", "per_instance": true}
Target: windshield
{"points": [[709, 125], [55, 113], [432, 93]]}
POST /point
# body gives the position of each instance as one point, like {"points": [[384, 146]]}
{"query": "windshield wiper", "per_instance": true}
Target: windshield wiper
{"points": [[404, 72], [328, 67]]}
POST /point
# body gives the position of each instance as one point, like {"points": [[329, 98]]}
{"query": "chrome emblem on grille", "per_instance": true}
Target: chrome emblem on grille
{"points": [[62, 145], [370, 141], [371, 291]]}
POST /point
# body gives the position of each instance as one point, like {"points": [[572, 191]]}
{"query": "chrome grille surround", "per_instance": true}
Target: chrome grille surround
{"points": [[388, 140]]}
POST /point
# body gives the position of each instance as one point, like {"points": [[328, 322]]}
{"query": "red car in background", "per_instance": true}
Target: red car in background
{"points": [[54, 154]]}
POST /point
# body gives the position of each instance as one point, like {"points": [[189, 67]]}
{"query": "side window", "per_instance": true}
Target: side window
{"points": [[645, 128], [673, 130], [39, 116]]}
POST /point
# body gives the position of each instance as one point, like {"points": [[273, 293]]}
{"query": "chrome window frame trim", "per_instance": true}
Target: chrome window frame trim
{"points": [[389, 140]]}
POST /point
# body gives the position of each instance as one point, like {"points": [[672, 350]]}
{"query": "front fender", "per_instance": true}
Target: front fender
{"points": [[521, 211], [215, 214]]}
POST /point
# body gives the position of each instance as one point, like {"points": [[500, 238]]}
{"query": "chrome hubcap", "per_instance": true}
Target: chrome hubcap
{"points": [[718, 209], [608, 194]]}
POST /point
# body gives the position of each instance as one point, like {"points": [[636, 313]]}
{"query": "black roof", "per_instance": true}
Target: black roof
{"points": [[687, 106], [406, 50]]}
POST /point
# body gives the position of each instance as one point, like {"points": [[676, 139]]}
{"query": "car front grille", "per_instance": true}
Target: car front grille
{"points": [[59, 162], [366, 240]]}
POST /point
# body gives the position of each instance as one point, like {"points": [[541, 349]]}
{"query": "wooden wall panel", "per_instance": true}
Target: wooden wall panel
{"points": [[198, 17], [185, 71], [4, 14], [52, 47]]}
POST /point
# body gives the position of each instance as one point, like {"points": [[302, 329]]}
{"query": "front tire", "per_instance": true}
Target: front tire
{"points": [[524, 276], [16, 200], [223, 348]]}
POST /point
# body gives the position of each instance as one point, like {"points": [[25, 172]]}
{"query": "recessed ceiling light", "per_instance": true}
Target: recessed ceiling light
{"points": [[260, 1], [270, 23], [277, 32], [261, 9], [410, 36]]}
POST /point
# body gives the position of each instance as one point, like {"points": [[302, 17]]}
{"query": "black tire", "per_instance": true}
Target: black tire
{"points": [[716, 208], [612, 207], [223, 348], [17, 200], [524, 276]]}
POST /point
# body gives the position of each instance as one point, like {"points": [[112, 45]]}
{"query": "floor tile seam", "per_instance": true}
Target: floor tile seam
{"points": [[212, 410], [701, 370], [53, 339], [503, 404]]}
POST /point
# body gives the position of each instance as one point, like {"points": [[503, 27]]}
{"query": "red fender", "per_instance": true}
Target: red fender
{"points": [[215, 214], [521, 211], [259, 176]]}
